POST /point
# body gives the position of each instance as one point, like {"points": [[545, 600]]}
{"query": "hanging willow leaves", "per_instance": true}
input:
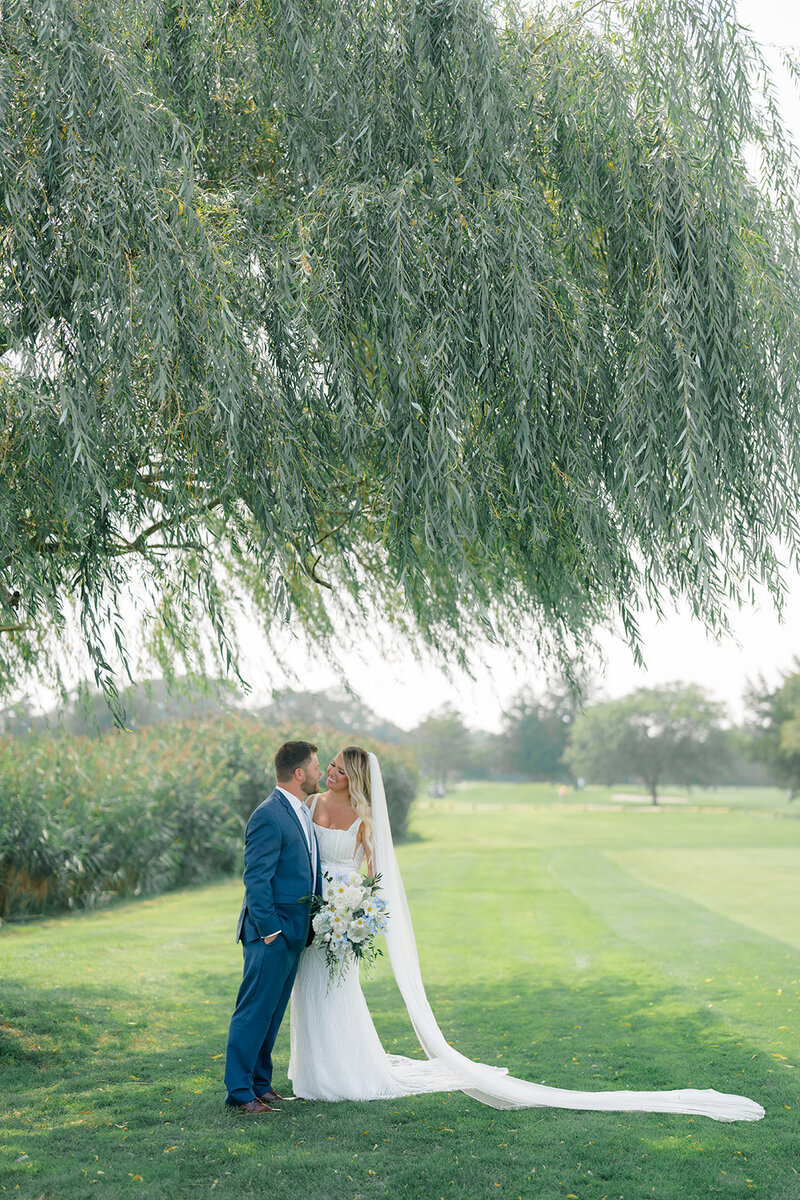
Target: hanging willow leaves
{"points": [[480, 320]]}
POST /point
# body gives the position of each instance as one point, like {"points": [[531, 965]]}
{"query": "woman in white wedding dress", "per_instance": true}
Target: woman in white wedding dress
{"points": [[336, 1053], [335, 1050]]}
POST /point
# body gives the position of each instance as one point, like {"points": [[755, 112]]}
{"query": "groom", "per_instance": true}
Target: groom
{"points": [[281, 869]]}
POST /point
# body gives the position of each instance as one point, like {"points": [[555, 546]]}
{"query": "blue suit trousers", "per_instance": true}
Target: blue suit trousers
{"points": [[267, 981]]}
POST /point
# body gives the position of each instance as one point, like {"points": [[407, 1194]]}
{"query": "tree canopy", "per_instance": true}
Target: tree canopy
{"points": [[333, 709], [474, 317], [776, 729], [658, 735], [443, 745], [537, 726]]}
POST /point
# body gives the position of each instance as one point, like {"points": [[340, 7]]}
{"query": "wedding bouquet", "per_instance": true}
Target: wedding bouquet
{"points": [[346, 919]]}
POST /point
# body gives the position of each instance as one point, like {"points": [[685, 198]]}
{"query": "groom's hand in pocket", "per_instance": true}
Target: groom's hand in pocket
{"points": [[271, 938]]}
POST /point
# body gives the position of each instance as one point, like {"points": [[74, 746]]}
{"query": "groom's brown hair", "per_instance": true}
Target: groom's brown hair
{"points": [[290, 756]]}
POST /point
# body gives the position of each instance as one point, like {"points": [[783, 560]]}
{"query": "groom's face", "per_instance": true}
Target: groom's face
{"points": [[310, 775]]}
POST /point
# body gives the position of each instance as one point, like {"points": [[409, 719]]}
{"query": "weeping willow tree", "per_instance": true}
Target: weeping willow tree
{"points": [[481, 319]]}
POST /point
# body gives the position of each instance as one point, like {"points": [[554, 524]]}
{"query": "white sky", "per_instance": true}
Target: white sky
{"points": [[676, 649]]}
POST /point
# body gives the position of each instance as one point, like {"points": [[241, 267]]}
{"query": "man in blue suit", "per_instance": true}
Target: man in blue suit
{"points": [[281, 869]]}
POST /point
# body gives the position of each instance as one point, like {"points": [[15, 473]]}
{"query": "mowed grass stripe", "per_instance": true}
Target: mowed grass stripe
{"points": [[540, 953], [747, 980], [764, 896]]}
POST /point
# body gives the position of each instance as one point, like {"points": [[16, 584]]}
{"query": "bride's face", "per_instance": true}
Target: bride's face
{"points": [[336, 778]]}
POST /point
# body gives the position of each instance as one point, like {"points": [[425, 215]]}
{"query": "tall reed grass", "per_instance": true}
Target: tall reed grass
{"points": [[86, 820]]}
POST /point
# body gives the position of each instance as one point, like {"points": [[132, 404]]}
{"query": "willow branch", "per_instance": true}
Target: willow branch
{"points": [[568, 25]]}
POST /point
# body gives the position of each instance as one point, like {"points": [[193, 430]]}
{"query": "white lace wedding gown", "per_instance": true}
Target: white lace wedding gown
{"points": [[336, 1053], [335, 1050]]}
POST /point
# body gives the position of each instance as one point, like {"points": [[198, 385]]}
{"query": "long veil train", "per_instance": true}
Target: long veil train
{"points": [[489, 1084]]}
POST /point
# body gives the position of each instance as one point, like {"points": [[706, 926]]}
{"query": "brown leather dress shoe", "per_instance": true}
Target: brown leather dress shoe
{"points": [[270, 1097], [252, 1106]]}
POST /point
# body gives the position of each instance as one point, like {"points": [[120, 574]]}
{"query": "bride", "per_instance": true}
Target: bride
{"points": [[335, 1050]]}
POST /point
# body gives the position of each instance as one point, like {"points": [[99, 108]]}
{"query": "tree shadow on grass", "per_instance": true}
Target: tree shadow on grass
{"points": [[598, 1034], [51, 1037], [83, 1084]]}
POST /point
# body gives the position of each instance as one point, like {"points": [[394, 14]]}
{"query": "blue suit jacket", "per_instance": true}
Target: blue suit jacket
{"points": [[277, 875]]}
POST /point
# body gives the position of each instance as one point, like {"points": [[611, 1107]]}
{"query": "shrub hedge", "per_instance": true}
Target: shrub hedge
{"points": [[86, 820]]}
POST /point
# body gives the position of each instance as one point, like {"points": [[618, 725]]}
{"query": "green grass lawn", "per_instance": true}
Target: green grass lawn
{"points": [[585, 949]]}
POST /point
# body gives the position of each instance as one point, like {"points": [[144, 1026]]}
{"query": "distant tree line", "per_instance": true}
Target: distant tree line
{"points": [[671, 735], [89, 812]]}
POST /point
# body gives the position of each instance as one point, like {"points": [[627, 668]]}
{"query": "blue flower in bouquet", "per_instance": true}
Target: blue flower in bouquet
{"points": [[322, 922]]}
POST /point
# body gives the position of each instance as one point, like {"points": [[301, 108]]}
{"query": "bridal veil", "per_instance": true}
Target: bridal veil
{"points": [[492, 1085]]}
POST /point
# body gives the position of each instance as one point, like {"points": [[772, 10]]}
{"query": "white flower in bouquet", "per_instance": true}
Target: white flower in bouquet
{"points": [[328, 891], [353, 896], [358, 930]]}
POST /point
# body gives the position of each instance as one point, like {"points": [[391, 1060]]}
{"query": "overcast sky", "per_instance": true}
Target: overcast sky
{"points": [[676, 649]]}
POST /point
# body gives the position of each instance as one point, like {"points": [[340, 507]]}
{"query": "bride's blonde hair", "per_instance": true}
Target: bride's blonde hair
{"points": [[356, 768]]}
